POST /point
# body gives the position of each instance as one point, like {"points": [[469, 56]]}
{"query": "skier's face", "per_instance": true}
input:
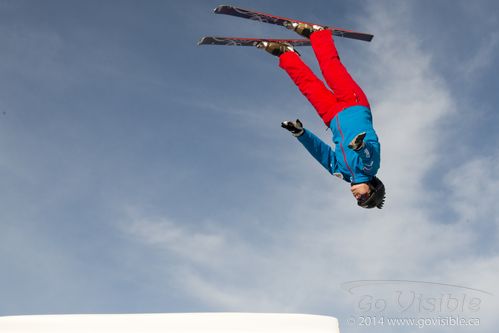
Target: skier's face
{"points": [[360, 190]]}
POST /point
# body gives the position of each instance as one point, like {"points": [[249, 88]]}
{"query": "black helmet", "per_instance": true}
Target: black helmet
{"points": [[376, 197]]}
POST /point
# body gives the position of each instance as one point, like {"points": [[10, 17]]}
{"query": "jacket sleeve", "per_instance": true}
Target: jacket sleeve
{"points": [[370, 158], [322, 152]]}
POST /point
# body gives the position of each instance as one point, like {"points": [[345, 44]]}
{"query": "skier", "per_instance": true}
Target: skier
{"points": [[345, 109]]}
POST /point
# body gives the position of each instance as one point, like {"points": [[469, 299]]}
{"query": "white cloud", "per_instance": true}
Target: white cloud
{"points": [[474, 189], [187, 242]]}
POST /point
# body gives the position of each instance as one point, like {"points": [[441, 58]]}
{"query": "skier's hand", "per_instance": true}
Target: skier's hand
{"points": [[358, 142], [295, 127]]}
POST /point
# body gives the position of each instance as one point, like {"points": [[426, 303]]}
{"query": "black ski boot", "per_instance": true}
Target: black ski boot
{"points": [[358, 142], [275, 48], [304, 29]]}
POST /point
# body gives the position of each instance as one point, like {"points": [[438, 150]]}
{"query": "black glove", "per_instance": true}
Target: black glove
{"points": [[358, 142], [295, 127]]}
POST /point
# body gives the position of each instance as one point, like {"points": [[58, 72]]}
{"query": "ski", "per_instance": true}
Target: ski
{"points": [[235, 41], [283, 21]]}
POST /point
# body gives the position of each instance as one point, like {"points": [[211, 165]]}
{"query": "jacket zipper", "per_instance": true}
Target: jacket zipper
{"points": [[343, 150]]}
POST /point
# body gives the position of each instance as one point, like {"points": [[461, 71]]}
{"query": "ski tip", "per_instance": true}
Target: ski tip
{"points": [[202, 41], [219, 8]]}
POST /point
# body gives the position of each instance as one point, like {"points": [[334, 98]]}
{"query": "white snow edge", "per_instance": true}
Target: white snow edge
{"points": [[171, 323]]}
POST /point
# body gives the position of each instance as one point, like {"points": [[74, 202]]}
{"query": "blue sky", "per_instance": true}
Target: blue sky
{"points": [[140, 172]]}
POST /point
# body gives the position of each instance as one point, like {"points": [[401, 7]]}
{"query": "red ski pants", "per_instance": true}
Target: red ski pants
{"points": [[345, 91]]}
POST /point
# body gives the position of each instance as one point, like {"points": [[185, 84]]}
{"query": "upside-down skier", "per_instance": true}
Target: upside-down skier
{"points": [[345, 109]]}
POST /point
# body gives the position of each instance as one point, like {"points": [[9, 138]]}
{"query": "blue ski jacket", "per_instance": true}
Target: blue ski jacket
{"points": [[352, 166]]}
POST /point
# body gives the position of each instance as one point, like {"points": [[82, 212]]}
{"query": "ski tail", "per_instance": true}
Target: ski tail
{"points": [[352, 34]]}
